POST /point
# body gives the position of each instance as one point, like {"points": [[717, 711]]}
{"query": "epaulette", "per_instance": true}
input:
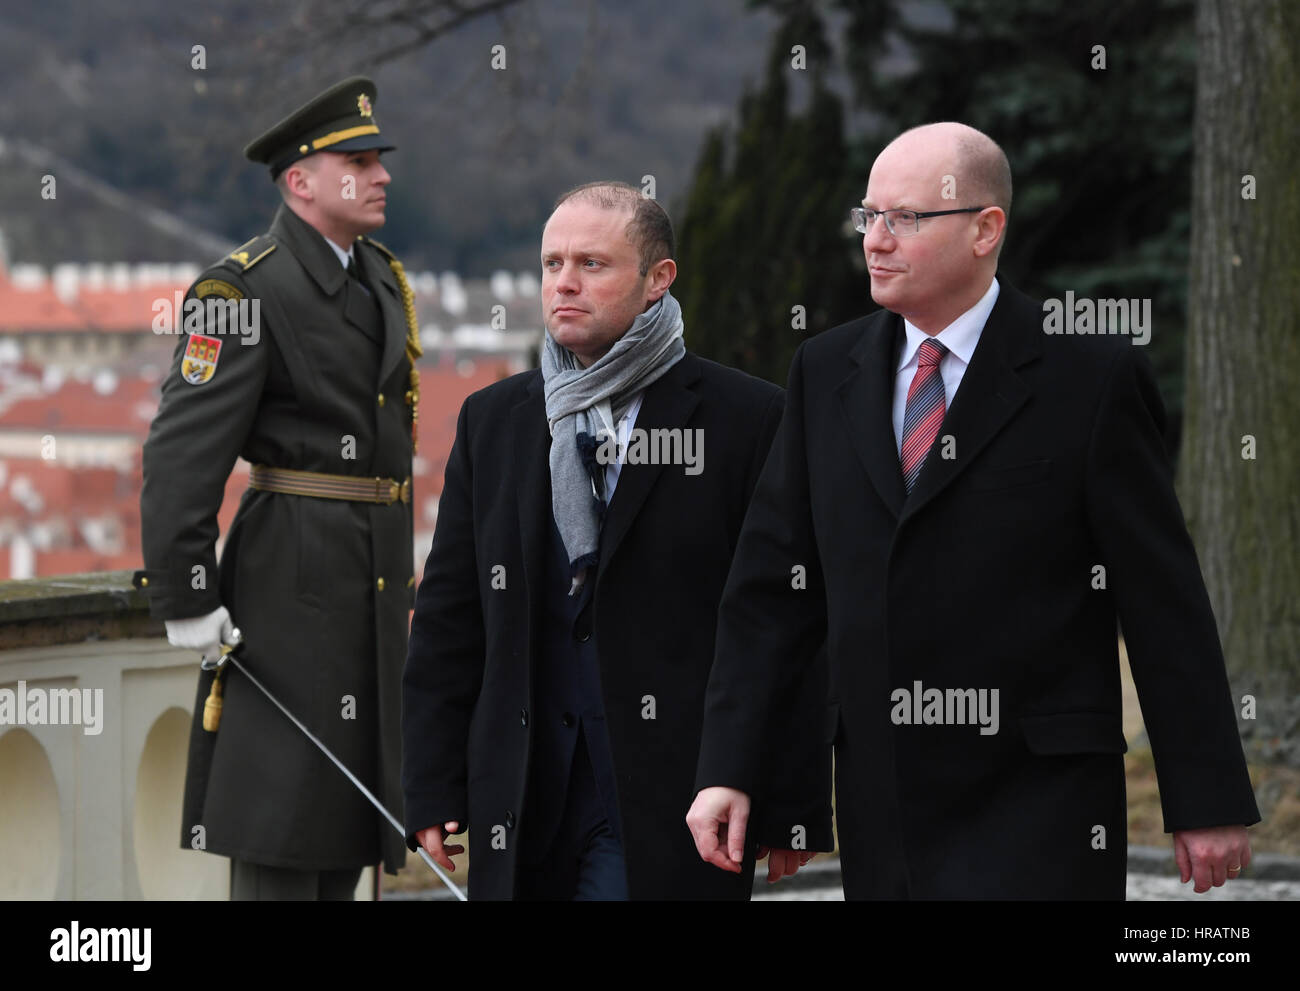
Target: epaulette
{"points": [[250, 253], [375, 244]]}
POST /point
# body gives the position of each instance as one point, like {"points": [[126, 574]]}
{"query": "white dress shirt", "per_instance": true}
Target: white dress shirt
{"points": [[343, 256], [615, 468], [959, 337]]}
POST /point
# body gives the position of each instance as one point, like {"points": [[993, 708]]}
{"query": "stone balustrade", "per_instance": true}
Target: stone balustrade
{"points": [[95, 710]]}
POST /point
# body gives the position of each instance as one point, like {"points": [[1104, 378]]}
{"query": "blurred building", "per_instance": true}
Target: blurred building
{"points": [[81, 366]]}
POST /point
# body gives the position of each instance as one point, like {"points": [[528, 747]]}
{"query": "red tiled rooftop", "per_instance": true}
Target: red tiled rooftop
{"points": [[24, 310], [126, 310], [118, 310], [83, 560], [442, 391], [77, 407], [70, 495]]}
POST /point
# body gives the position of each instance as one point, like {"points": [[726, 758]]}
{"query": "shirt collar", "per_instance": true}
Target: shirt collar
{"points": [[959, 337], [340, 254]]}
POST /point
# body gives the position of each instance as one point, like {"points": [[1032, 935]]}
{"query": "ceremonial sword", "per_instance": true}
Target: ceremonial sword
{"points": [[227, 654]]}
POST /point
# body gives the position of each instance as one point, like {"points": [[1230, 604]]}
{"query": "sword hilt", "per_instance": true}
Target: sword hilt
{"points": [[213, 704], [217, 662]]}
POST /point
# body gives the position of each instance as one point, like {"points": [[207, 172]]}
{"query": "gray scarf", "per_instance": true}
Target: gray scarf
{"points": [[583, 402]]}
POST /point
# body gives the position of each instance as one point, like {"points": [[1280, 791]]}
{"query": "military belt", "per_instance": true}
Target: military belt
{"points": [[319, 485]]}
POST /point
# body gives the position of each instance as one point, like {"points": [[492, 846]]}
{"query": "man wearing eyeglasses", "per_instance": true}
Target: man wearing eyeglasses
{"points": [[976, 505]]}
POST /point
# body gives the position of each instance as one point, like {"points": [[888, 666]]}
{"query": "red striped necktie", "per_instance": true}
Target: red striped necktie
{"points": [[924, 412]]}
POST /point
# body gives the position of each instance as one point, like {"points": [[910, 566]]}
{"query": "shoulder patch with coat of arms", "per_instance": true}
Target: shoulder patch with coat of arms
{"points": [[200, 361], [203, 350]]}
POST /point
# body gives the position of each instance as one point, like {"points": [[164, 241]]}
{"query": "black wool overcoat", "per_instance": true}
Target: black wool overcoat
{"points": [[1049, 465], [665, 549]]}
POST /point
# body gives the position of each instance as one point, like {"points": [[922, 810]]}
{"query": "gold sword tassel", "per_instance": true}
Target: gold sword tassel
{"points": [[214, 702], [212, 707]]}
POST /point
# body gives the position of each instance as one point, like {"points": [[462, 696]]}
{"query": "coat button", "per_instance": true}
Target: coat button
{"points": [[510, 819], [523, 717], [381, 399], [582, 635], [380, 584], [144, 582], [568, 719]]}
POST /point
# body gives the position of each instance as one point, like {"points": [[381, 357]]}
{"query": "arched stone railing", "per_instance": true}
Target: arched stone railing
{"points": [[94, 726]]}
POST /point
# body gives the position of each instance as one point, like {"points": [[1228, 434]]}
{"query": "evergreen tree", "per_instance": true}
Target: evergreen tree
{"points": [[766, 253]]}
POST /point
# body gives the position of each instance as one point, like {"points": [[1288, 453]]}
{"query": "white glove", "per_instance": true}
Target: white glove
{"points": [[202, 633]]}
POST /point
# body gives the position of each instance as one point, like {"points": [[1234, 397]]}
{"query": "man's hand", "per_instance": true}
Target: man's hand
{"points": [[783, 863], [431, 839], [717, 821], [205, 634], [1211, 855]]}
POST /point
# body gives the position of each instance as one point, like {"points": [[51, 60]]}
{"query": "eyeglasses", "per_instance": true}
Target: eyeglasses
{"points": [[901, 223]]}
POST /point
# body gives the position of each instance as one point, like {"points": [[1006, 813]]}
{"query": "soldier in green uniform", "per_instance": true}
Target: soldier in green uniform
{"points": [[297, 353]]}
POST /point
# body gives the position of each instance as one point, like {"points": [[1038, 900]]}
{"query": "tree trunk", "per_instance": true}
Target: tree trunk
{"points": [[1243, 356]]}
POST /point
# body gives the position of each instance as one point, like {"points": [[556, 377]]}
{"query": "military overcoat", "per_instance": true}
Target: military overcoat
{"points": [[314, 377]]}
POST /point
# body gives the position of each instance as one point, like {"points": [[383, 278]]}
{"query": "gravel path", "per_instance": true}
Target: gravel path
{"points": [[1141, 888]]}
